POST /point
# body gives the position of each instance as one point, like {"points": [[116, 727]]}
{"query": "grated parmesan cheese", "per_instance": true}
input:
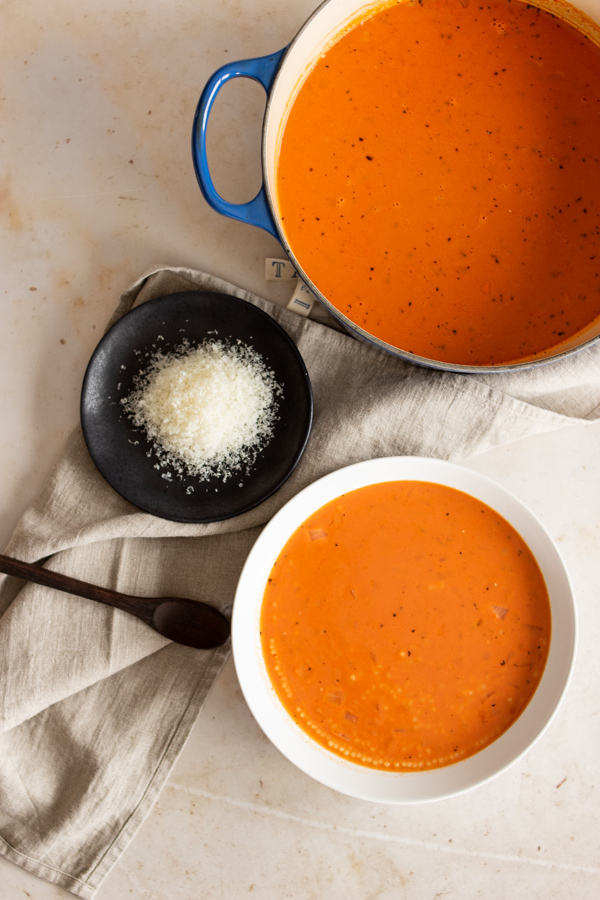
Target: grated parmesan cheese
{"points": [[208, 410]]}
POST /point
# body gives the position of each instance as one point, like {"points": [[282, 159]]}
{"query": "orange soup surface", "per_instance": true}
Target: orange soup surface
{"points": [[405, 626], [438, 178]]}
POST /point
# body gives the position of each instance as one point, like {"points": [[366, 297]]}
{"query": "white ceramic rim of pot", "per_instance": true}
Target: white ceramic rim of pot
{"points": [[328, 21], [385, 786]]}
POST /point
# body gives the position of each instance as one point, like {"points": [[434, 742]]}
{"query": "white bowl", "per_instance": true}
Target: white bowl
{"points": [[341, 774]]}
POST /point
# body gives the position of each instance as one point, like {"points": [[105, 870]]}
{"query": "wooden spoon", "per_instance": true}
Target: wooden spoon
{"points": [[188, 622]]}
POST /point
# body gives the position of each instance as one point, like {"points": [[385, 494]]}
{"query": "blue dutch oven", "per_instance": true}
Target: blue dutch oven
{"points": [[280, 74]]}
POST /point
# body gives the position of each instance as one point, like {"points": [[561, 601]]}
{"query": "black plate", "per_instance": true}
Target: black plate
{"points": [[120, 450]]}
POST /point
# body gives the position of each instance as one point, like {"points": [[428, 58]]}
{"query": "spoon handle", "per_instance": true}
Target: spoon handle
{"points": [[142, 607]]}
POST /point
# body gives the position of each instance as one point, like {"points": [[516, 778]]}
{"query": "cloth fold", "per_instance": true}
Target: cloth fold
{"points": [[94, 706]]}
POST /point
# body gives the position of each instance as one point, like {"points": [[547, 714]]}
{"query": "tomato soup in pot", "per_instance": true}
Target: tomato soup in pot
{"points": [[438, 179]]}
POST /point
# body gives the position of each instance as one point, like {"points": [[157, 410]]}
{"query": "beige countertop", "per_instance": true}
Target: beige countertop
{"points": [[97, 186]]}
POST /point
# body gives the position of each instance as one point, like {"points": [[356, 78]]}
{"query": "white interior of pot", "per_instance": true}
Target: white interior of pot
{"points": [[324, 27], [315, 37]]}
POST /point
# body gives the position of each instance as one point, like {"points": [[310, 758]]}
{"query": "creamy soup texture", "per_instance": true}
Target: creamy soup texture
{"points": [[405, 626], [438, 179]]}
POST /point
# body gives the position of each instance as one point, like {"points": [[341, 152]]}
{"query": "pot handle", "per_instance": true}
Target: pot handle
{"points": [[262, 69]]}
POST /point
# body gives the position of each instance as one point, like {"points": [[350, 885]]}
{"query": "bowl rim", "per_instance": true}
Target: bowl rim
{"points": [[402, 787]]}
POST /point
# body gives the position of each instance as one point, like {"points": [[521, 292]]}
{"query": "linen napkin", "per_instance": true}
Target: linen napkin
{"points": [[94, 706]]}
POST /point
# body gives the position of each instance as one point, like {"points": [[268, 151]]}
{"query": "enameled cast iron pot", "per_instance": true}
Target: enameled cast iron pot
{"points": [[279, 74]]}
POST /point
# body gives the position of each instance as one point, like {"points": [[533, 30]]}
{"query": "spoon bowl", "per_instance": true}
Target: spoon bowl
{"points": [[189, 622]]}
